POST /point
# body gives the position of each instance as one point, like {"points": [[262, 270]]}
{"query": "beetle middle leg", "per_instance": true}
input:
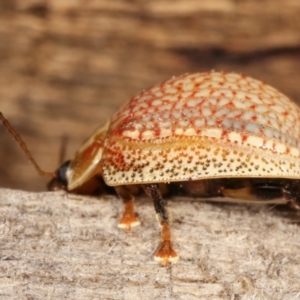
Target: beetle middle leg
{"points": [[129, 218], [164, 253]]}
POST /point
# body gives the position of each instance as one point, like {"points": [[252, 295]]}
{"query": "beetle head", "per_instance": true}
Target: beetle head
{"points": [[59, 180]]}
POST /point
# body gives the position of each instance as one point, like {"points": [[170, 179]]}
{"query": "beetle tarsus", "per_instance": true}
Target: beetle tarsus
{"points": [[128, 219], [165, 253]]}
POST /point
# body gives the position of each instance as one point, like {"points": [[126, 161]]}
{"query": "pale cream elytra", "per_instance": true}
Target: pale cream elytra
{"points": [[210, 114], [210, 135]]}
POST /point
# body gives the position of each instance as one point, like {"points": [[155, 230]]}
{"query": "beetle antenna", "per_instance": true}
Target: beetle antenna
{"points": [[22, 144]]}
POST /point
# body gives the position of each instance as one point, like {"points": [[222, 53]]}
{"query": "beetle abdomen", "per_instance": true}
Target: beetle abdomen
{"points": [[205, 125]]}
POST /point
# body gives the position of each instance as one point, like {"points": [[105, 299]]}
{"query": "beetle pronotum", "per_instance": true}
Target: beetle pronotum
{"points": [[206, 134]]}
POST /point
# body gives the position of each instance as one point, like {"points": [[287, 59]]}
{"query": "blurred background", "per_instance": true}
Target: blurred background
{"points": [[67, 66]]}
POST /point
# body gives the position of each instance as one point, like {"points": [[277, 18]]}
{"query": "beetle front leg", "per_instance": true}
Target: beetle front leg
{"points": [[164, 253], [128, 218]]}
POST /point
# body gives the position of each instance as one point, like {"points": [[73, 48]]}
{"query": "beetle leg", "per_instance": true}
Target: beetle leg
{"points": [[290, 195], [164, 253], [245, 193], [129, 218]]}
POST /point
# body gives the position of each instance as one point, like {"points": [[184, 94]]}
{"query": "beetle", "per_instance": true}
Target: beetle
{"points": [[210, 135]]}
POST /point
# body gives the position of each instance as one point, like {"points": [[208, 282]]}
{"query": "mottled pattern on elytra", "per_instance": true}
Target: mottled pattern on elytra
{"points": [[201, 126]]}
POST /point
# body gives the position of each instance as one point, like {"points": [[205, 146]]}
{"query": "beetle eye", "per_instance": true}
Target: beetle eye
{"points": [[60, 182], [61, 173]]}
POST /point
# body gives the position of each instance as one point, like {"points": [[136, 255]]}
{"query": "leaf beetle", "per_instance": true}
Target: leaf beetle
{"points": [[207, 135]]}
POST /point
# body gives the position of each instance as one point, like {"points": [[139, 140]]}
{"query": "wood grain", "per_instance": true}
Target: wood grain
{"points": [[57, 246]]}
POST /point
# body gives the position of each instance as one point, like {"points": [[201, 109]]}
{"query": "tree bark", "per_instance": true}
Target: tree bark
{"points": [[61, 246]]}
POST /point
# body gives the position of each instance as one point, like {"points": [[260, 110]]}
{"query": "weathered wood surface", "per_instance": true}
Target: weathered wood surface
{"points": [[66, 66], [57, 246]]}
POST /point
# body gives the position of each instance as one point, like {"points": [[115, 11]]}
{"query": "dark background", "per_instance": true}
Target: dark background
{"points": [[66, 66]]}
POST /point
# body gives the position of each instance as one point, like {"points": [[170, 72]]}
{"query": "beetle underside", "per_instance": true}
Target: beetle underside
{"points": [[258, 190]]}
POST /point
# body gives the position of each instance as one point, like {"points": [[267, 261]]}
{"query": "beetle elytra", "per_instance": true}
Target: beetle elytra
{"points": [[210, 135]]}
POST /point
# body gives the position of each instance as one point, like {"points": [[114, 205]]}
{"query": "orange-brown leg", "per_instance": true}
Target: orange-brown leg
{"points": [[128, 219], [245, 193], [165, 252], [290, 196]]}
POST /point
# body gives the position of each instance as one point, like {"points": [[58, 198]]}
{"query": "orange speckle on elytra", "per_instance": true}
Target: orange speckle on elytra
{"points": [[244, 137]]}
